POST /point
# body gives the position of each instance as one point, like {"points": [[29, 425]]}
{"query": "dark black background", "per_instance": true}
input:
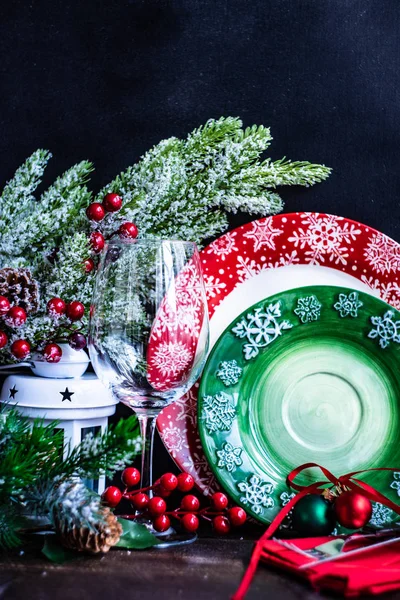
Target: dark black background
{"points": [[105, 80]]}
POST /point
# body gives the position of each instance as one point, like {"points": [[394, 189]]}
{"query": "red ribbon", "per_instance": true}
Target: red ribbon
{"points": [[348, 481]]}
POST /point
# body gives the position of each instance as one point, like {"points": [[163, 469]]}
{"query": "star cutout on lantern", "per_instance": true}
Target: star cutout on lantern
{"points": [[66, 395], [13, 392]]}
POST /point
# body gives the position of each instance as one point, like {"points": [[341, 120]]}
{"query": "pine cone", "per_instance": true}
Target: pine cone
{"points": [[20, 288], [82, 539]]}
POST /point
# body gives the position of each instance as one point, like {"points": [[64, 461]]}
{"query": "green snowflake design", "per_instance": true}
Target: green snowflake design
{"points": [[395, 485], [348, 305], [260, 328], [229, 372], [229, 457], [218, 412], [256, 494], [381, 515], [308, 309], [386, 329]]}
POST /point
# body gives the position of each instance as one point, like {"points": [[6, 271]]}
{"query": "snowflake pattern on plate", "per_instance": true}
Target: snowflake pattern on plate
{"points": [[263, 234], [229, 372], [308, 309], [381, 515], [383, 254], [260, 328], [395, 485], [229, 457], [286, 497], [326, 237], [223, 246], [186, 407], [218, 412], [171, 358], [174, 439], [348, 305], [257, 494], [307, 239], [386, 329]]}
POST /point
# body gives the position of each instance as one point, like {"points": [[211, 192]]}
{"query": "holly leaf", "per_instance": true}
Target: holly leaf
{"points": [[135, 536], [55, 552]]}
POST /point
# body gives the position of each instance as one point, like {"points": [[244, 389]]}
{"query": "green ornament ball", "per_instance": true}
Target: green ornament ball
{"points": [[313, 516]]}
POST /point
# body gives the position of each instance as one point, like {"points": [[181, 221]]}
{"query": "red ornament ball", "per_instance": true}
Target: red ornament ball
{"points": [[56, 307], [52, 353], [219, 500], [75, 310], [20, 349], [169, 482], [185, 482], [77, 341], [140, 501], [157, 506], [190, 503], [4, 305], [161, 523], [128, 230], [112, 202], [237, 516], [3, 339], [353, 510], [97, 241], [111, 496], [88, 265], [190, 522], [95, 212], [16, 316], [221, 525], [130, 476]]}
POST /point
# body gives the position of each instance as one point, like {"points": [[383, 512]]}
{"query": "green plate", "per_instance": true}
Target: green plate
{"points": [[307, 375]]}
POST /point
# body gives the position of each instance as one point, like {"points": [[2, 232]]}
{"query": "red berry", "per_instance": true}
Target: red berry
{"points": [[162, 492], [88, 265], [16, 316], [128, 230], [190, 522], [77, 341], [130, 476], [161, 523], [190, 502], [140, 501], [185, 482], [56, 307], [112, 496], [219, 500], [237, 516], [221, 525], [20, 349], [4, 305], [75, 310], [169, 482], [97, 241], [157, 506], [52, 353], [3, 339], [95, 212], [112, 202]]}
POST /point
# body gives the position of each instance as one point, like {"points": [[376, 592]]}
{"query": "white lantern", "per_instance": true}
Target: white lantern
{"points": [[82, 405]]}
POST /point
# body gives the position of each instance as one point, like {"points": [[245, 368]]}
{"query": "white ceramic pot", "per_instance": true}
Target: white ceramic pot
{"points": [[73, 364]]}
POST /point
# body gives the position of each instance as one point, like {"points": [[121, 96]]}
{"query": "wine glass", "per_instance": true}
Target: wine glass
{"points": [[149, 333]]}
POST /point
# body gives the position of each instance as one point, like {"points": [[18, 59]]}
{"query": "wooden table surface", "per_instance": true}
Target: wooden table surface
{"points": [[208, 569]]}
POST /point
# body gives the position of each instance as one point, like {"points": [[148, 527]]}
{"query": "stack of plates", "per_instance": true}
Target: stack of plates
{"points": [[305, 363]]}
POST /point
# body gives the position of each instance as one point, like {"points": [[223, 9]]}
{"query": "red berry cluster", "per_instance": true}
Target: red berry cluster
{"points": [[189, 511], [13, 317], [96, 212]]}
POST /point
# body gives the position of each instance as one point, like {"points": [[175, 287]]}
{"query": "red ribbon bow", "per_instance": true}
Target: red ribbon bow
{"points": [[348, 481]]}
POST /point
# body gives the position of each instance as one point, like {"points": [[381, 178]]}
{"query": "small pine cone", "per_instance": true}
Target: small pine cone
{"points": [[91, 541], [20, 288]]}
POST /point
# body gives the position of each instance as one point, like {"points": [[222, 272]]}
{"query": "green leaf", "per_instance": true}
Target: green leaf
{"points": [[53, 550], [135, 536]]}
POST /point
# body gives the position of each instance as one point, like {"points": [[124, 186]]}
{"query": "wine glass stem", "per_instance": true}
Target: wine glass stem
{"points": [[147, 425]]}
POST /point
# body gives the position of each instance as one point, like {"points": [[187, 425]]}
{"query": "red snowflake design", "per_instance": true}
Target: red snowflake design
{"points": [[383, 254], [223, 246], [171, 358], [263, 234]]}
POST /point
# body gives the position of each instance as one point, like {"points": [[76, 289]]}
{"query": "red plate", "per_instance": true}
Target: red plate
{"points": [[265, 257]]}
